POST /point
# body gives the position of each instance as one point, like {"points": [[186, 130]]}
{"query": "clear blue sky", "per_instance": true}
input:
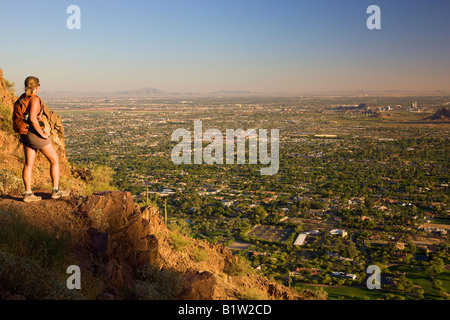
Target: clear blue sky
{"points": [[206, 45]]}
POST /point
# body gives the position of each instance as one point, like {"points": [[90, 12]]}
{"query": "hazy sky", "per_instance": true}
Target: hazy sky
{"points": [[206, 45]]}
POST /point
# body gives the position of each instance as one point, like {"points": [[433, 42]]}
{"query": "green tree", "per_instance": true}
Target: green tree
{"points": [[435, 267], [261, 213]]}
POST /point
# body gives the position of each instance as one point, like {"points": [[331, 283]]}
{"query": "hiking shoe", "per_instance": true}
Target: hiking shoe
{"points": [[30, 197], [58, 193]]}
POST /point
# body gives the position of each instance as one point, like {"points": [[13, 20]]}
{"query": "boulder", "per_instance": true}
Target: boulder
{"points": [[109, 210], [120, 238], [198, 285]]}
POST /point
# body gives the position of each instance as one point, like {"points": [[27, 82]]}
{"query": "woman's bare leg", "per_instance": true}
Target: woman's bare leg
{"points": [[30, 156], [50, 152]]}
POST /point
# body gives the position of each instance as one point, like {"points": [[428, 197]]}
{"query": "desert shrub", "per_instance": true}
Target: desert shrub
{"points": [[178, 242], [253, 294], [181, 226], [92, 286], [10, 87], [239, 267], [28, 278], [155, 284], [146, 291], [199, 254], [313, 294], [27, 241], [9, 181], [101, 180], [5, 118], [23, 276], [33, 262]]}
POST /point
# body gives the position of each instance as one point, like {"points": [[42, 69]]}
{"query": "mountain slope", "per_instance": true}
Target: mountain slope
{"points": [[123, 251]]}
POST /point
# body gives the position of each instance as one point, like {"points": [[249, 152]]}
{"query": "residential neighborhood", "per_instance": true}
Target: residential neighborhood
{"points": [[355, 187]]}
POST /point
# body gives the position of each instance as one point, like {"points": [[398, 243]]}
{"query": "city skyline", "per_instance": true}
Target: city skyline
{"points": [[205, 46]]}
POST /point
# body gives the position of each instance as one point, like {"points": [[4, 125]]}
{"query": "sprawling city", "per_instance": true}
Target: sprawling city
{"points": [[362, 181]]}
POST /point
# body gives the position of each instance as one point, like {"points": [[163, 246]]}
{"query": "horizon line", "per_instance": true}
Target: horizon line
{"points": [[157, 93]]}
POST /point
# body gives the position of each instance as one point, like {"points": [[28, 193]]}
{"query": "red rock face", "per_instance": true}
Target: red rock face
{"points": [[5, 97], [198, 286], [121, 237], [114, 239]]}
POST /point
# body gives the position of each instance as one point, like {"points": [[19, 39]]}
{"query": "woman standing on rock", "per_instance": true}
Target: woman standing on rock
{"points": [[28, 123]]}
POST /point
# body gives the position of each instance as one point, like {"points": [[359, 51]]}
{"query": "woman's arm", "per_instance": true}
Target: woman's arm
{"points": [[34, 114]]}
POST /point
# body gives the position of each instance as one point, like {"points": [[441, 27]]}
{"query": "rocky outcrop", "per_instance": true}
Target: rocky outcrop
{"points": [[5, 97], [198, 286], [127, 237], [84, 174], [112, 236], [441, 114], [120, 238], [53, 125], [113, 239]]}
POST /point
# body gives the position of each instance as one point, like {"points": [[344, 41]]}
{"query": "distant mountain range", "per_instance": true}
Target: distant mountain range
{"points": [[140, 93], [154, 93], [146, 93]]}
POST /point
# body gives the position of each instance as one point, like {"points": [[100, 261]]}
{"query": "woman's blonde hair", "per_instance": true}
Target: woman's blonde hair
{"points": [[31, 83]]}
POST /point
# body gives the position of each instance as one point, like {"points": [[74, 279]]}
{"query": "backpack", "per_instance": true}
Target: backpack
{"points": [[20, 114]]}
